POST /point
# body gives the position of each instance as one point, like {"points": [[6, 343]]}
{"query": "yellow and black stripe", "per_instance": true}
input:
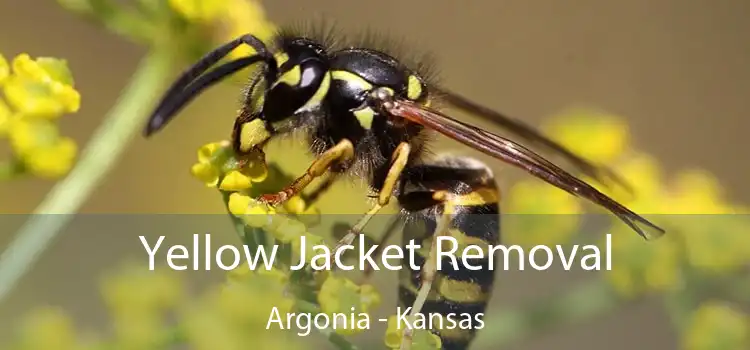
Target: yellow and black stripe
{"points": [[469, 191]]}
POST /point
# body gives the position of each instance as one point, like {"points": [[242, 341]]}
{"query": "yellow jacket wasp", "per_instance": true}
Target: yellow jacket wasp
{"points": [[367, 114]]}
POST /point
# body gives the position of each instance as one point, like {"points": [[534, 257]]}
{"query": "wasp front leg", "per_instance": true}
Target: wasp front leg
{"points": [[341, 152], [380, 243], [313, 196]]}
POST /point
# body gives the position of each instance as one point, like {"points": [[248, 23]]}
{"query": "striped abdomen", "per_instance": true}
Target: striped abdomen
{"points": [[459, 295]]}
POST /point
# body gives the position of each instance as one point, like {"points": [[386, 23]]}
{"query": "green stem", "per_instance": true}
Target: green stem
{"points": [[120, 125], [584, 302]]}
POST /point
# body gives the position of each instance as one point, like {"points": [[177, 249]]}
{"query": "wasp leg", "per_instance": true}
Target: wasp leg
{"points": [[341, 152], [398, 163], [392, 226], [429, 270], [312, 197]]}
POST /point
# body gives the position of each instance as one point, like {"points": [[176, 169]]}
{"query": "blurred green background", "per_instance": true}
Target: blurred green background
{"points": [[675, 70]]}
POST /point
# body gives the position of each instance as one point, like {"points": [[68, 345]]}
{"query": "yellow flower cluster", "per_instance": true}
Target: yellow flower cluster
{"points": [[714, 232], [151, 310], [215, 162], [36, 93], [233, 17], [341, 295], [538, 213], [643, 267], [49, 328], [702, 233], [715, 325], [421, 339], [138, 301], [235, 314], [702, 230], [543, 214], [598, 136], [336, 294], [217, 167]]}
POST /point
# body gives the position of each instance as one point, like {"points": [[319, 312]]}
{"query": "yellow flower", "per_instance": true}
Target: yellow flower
{"points": [[209, 151], [715, 325], [238, 274], [341, 295], [309, 216], [242, 17], [138, 330], [715, 243], [597, 136], [287, 230], [421, 339], [27, 135], [135, 290], [253, 213], [640, 266], [215, 160], [234, 18], [311, 240], [4, 69], [41, 88], [54, 161], [48, 328], [258, 216], [199, 10], [644, 175], [715, 238], [41, 148], [537, 197], [235, 181], [37, 92], [211, 157], [206, 173], [649, 195], [266, 289], [44, 69], [274, 275], [236, 314], [238, 203], [205, 329], [295, 205], [697, 192], [540, 214], [6, 116]]}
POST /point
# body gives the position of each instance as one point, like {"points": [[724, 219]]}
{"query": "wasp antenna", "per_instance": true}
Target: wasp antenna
{"points": [[169, 107], [643, 227], [191, 83]]}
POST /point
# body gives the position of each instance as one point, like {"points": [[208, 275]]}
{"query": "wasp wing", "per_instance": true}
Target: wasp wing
{"points": [[517, 155], [528, 133]]}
